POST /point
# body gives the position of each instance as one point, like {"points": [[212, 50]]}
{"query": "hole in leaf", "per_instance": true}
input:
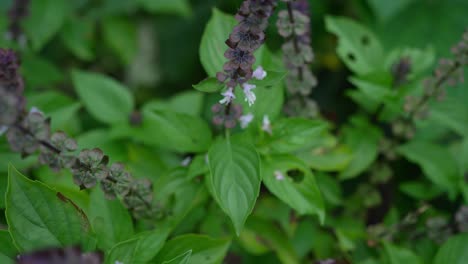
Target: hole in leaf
{"points": [[351, 57], [296, 175], [365, 40]]}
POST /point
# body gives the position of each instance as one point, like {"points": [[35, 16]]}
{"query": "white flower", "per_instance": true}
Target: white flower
{"points": [[186, 161], [35, 110], [259, 73], [245, 120], [228, 96], [118, 262], [279, 176], [249, 95], [3, 129], [266, 125]]}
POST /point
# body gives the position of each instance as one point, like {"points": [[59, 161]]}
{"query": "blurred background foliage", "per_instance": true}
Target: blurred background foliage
{"points": [[152, 46]]}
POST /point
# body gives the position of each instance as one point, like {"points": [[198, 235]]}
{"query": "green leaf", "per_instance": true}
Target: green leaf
{"points": [[39, 217], [139, 249], [410, 25], [301, 192], [234, 178], [77, 35], [420, 190], [363, 139], [268, 234], [329, 188], [398, 255], [188, 102], [204, 249], [453, 251], [335, 159], [110, 220], [212, 45], [181, 7], [38, 71], [45, 19], [183, 258], [8, 251], [437, 163], [209, 85], [292, 134], [175, 131], [105, 99], [120, 35], [385, 10], [358, 47]]}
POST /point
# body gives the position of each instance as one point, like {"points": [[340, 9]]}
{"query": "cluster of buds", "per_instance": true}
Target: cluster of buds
{"points": [[449, 72], [294, 25], [247, 36], [28, 132], [18, 11]]}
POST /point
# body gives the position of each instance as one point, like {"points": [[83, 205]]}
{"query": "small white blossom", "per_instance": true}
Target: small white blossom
{"points": [[35, 110], [279, 176], [3, 129], [228, 96], [118, 262], [186, 161], [259, 73], [245, 120], [266, 125], [249, 95]]}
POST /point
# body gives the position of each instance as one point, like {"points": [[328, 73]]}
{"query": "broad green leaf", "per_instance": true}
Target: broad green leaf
{"points": [[212, 45], [39, 217], [376, 92], [77, 35], [358, 47], [45, 19], [398, 255], [324, 159], [420, 190], [268, 234], [204, 249], [110, 220], [175, 131], [38, 71], [120, 35], [141, 248], [363, 139], [301, 192], [385, 10], [181, 7], [234, 178], [437, 163], [293, 134], [183, 258], [410, 25], [329, 188], [105, 99], [451, 113], [453, 251], [209, 85], [189, 102], [8, 251]]}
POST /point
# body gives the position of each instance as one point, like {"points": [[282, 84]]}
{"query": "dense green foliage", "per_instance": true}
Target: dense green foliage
{"points": [[189, 135]]}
